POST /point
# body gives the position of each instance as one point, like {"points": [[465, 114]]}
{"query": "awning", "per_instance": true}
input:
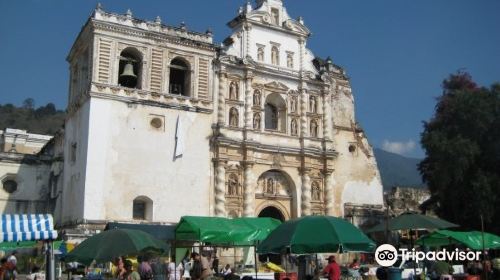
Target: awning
{"points": [[224, 231], [161, 232], [27, 227]]}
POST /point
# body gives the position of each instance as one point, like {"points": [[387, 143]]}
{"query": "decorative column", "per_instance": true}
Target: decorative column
{"points": [[248, 100], [306, 193], [248, 190], [220, 188], [327, 115], [222, 97], [329, 193], [303, 113]]}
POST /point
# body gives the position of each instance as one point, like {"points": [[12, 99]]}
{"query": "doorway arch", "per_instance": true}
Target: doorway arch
{"points": [[272, 212]]}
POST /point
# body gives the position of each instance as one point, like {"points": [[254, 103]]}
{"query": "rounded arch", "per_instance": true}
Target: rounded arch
{"points": [[180, 76], [142, 208], [273, 207], [272, 212], [130, 68], [275, 112]]}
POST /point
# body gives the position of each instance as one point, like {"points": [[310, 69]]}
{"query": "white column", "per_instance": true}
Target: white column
{"points": [[222, 98], [249, 190], [306, 193], [248, 101], [329, 193], [327, 115], [304, 132], [220, 188]]}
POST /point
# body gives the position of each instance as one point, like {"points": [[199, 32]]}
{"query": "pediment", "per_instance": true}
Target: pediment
{"points": [[295, 26], [277, 86]]}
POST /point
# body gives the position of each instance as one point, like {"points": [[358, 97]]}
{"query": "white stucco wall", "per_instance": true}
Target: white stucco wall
{"points": [[128, 158]]}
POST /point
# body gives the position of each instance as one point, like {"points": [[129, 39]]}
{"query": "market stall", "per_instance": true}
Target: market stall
{"points": [[31, 227]]}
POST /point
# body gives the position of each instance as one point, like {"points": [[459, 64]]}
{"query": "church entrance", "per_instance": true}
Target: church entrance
{"points": [[272, 212]]}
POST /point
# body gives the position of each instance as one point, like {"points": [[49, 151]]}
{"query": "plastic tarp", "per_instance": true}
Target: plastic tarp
{"points": [[224, 231], [471, 239], [162, 232], [27, 227]]}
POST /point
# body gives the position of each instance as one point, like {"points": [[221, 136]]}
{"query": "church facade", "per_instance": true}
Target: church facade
{"points": [[162, 122]]}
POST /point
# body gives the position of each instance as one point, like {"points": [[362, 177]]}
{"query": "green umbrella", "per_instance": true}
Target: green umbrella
{"points": [[316, 234], [414, 222], [470, 239], [107, 245]]}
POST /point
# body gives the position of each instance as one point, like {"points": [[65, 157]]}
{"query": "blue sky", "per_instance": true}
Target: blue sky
{"points": [[396, 52]]}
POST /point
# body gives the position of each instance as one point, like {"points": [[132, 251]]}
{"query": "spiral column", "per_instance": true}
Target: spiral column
{"points": [[221, 98], [306, 193], [220, 188], [329, 193], [249, 190]]}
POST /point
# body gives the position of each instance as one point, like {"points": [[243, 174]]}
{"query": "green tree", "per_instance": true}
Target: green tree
{"points": [[462, 144]]}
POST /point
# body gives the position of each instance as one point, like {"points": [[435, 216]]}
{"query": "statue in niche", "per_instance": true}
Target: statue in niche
{"points": [[256, 121], [260, 54], [314, 129], [233, 117], [316, 192], [233, 184], [293, 127], [312, 104], [269, 186], [293, 104], [256, 98], [233, 91], [289, 61]]}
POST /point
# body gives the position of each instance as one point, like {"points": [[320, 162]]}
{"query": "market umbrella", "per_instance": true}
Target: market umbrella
{"points": [[107, 245], [412, 221], [470, 239], [316, 234]]}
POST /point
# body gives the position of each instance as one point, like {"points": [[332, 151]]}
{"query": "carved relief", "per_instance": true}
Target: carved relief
{"points": [[256, 121], [293, 127], [273, 183], [233, 117], [316, 191], [313, 107], [233, 185], [293, 104], [314, 128], [233, 91], [257, 97]]}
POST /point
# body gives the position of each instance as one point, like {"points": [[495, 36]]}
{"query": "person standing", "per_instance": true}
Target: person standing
{"points": [[196, 268], [174, 271], [206, 268], [144, 269], [332, 269], [130, 273]]}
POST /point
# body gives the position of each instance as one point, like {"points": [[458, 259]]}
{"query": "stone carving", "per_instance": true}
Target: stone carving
{"points": [[314, 128], [260, 54], [316, 191], [256, 97], [232, 185], [312, 104], [233, 117], [293, 127], [220, 198], [273, 183], [293, 104], [289, 60], [256, 121], [275, 55], [233, 91]]}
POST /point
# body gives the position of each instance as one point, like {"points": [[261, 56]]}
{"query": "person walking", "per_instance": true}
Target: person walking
{"points": [[332, 269]]}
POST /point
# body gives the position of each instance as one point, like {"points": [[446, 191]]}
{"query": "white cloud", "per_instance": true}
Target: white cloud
{"points": [[399, 147]]}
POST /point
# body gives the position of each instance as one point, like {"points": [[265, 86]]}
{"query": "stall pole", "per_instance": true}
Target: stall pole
{"points": [[255, 259], [49, 260]]}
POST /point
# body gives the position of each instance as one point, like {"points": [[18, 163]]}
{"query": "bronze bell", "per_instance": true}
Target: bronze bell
{"points": [[128, 71]]}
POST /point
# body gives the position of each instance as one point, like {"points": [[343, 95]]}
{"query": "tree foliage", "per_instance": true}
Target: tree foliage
{"points": [[43, 120], [462, 144]]}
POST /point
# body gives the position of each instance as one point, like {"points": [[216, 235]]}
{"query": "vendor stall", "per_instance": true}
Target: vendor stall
{"points": [[31, 227]]}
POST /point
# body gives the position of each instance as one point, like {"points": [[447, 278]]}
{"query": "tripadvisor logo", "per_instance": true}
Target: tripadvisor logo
{"points": [[386, 255]]}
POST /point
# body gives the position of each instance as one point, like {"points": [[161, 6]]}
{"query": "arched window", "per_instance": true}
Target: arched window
{"points": [[314, 128], [275, 113], [233, 91], [275, 55], [260, 54], [180, 78], [233, 117], [142, 208], [130, 68]]}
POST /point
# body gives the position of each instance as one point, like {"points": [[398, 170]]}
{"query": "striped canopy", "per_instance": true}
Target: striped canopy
{"points": [[27, 227]]}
